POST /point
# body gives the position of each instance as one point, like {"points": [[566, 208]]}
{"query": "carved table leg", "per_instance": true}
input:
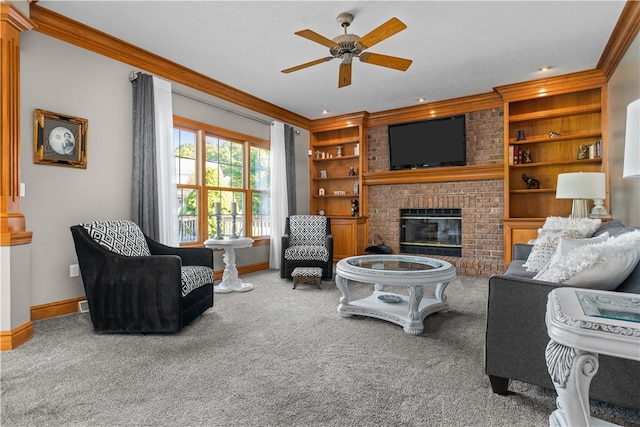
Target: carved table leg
{"points": [[230, 280], [341, 283], [571, 371], [440, 291], [416, 324]]}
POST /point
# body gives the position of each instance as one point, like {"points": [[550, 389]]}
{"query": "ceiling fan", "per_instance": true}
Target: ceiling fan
{"points": [[348, 46]]}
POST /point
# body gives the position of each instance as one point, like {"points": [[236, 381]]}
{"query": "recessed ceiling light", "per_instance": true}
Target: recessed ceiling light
{"points": [[545, 68], [421, 99], [325, 111]]}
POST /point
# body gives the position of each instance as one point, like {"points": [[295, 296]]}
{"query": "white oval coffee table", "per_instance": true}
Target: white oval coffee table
{"points": [[414, 272]]}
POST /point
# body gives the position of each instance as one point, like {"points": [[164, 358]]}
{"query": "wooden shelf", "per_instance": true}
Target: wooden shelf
{"points": [[331, 159], [332, 178], [555, 113], [563, 137], [337, 196], [349, 232], [533, 191], [558, 163], [579, 117], [336, 142]]}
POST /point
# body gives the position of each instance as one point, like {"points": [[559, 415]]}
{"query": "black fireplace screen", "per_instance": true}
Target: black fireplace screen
{"points": [[431, 231]]}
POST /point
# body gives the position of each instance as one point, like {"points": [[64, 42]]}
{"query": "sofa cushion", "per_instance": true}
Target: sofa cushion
{"points": [[120, 236], [603, 265], [549, 235], [517, 269]]}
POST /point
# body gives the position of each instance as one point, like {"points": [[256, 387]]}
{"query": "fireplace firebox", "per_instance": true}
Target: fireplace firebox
{"points": [[431, 231]]}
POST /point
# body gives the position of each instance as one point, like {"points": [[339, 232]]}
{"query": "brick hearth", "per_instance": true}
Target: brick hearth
{"points": [[481, 202]]}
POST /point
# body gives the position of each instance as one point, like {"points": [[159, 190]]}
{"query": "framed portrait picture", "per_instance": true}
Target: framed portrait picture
{"points": [[59, 140], [323, 174]]}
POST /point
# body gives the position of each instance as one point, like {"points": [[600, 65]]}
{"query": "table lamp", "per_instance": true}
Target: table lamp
{"points": [[631, 168], [582, 186]]}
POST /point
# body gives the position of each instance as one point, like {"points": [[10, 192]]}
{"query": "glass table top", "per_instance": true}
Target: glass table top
{"points": [[620, 307], [394, 263]]}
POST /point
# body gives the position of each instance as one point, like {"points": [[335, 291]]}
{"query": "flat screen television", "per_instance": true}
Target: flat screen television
{"points": [[428, 143]]}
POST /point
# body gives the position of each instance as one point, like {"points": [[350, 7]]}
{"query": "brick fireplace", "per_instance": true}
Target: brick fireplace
{"points": [[481, 202]]}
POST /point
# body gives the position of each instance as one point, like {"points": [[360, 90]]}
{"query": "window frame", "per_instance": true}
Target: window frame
{"points": [[201, 131]]}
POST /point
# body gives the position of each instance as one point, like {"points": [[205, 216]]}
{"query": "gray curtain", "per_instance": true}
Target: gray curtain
{"points": [[290, 165], [144, 191]]}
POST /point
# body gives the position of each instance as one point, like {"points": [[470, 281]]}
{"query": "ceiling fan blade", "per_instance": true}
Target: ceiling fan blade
{"points": [[386, 61], [344, 78], [315, 37], [307, 64], [384, 31]]}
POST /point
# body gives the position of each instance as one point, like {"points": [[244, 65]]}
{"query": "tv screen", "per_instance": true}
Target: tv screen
{"points": [[429, 143]]}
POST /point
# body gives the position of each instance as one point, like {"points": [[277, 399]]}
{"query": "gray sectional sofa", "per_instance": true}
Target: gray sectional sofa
{"points": [[516, 335]]}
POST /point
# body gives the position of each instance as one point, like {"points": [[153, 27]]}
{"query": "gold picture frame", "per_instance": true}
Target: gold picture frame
{"points": [[59, 140]]}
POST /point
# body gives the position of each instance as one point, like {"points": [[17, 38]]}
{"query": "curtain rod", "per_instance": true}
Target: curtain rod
{"points": [[134, 75], [223, 108]]}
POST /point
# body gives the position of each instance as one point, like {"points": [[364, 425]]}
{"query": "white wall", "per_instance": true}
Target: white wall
{"points": [[624, 87], [65, 79]]}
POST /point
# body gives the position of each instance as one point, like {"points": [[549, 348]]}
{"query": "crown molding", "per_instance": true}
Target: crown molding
{"points": [[623, 35], [78, 34]]}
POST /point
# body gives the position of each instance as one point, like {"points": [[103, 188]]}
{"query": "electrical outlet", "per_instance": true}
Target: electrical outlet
{"points": [[83, 306], [74, 270]]}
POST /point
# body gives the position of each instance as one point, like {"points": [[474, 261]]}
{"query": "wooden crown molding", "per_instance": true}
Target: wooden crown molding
{"points": [[432, 110], [13, 16], [623, 35], [565, 83], [78, 34]]}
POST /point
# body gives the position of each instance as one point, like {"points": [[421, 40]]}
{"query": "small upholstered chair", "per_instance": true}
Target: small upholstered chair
{"points": [[307, 242], [134, 284]]}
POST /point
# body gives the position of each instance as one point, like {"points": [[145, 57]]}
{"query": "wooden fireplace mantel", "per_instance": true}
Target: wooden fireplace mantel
{"points": [[439, 174]]}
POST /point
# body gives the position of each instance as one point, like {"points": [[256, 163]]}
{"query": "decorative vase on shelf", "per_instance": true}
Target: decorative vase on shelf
{"points": [[521, 136], [339, 150]]}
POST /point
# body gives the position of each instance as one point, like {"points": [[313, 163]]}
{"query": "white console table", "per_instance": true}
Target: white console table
{"points": [[230, 280], [583, 323]]}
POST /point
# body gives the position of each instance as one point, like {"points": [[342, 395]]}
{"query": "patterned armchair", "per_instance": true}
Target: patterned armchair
{"points": [[134, 284], [307, 242]]}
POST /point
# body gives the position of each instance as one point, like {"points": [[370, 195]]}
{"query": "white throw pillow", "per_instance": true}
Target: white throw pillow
{"points": [[587, 226], [567, 245], [602, 265], [554, 228], [545, 247]]}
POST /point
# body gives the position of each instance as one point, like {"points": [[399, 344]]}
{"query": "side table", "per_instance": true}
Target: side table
{"points": [[230, 280], [583, 323]]}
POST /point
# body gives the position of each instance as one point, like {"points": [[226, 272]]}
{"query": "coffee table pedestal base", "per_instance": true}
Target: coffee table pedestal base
{"points": [[408, 313]]}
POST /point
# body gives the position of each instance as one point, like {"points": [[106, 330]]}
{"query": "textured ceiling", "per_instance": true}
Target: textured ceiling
{"points": [[458, 48]]}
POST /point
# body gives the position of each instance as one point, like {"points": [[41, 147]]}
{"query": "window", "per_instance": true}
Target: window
{"points": [[220, 170]]}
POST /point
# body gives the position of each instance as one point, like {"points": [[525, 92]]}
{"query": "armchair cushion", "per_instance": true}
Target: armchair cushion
{"points": [[307, 230], [120, 236], [301, 253], [194, 276]]}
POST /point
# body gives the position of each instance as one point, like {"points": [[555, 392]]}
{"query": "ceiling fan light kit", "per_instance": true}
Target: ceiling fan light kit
{"points": [[348, 46]]}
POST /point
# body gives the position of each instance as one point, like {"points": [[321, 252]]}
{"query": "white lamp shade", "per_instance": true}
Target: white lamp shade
{"points": [[581, 185], [632, 142]]}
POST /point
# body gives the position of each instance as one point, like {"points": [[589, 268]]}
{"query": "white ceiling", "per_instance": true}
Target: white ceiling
{"points": [[458, 48]]}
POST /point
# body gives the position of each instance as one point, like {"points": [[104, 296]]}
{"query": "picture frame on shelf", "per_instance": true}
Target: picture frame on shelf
{"points": [[59, 139], [323, 174]]}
